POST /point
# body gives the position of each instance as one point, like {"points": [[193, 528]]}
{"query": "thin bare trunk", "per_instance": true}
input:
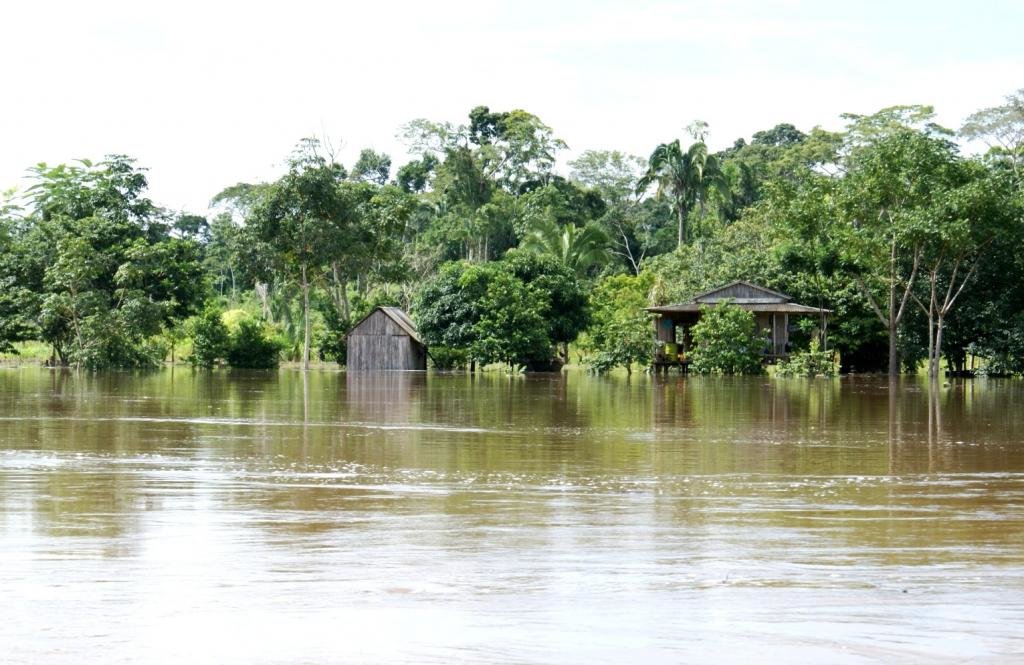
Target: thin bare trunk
{"points": [[305, 320], [681, 213]]}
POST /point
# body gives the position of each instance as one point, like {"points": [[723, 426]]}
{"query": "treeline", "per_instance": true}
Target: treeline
{"points": [[499, 257]]}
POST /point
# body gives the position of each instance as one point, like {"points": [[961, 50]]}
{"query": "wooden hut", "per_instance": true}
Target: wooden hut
{"points": [[772, 311], [386, 339]]}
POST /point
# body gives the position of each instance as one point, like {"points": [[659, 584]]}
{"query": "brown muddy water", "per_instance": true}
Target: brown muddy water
{"points": [[196, 517]]}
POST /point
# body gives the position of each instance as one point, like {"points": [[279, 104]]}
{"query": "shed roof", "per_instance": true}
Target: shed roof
{"points": [[400, 318]]}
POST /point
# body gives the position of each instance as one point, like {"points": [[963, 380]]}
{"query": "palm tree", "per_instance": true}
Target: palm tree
{"points": [[579, 249], [687, 177]]}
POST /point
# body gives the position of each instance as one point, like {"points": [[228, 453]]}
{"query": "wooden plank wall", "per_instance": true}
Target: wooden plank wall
{"points": [[741, 292], [378, 343]]}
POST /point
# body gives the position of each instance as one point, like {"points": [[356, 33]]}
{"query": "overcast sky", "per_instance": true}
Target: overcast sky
{"points": [[206, 94]]}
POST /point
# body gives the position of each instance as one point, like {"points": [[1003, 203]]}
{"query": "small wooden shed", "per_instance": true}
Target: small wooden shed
{"points": [[386, 339]]}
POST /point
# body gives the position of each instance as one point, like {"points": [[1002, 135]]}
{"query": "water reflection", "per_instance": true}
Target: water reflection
{"points": [[602, 518]]}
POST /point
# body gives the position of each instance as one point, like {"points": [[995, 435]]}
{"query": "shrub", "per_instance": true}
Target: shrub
{"points": [[620, 331], [813, 362], [446, 358], [251, 348], [210, 338], [726, 342], [331, 339]]}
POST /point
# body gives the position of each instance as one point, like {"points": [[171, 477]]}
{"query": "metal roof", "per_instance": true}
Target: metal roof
{"points": [[770, 301], [781, 307]]}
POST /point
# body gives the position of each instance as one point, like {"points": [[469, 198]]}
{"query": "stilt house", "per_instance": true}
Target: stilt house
{"points": [[772, 311]]}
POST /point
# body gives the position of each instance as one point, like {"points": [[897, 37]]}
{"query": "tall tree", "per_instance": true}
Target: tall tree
{"points": [[961, 225], [686, 177], [578, 249], [373, 167], [894, 174], [304, 221], [105, 263], [1002, 127]]}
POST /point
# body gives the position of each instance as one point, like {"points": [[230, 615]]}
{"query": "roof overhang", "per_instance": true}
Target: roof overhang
{"points": [[776, 308]]}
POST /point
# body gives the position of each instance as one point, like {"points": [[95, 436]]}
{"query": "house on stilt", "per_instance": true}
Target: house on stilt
{"points": [[772, 313]]}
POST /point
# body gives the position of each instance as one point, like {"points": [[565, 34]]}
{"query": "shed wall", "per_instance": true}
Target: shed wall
{"points": [[378, 343]]}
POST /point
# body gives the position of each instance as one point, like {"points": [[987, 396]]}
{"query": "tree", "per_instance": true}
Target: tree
{"points": [[1002, 127], [372, 167], [687, 178], [415, 176], [620, 333], [568, 309], [577, 249], [445, 306], [614, 175], [210, 338], [725, 341], [961, 225], [511, 325], [105, 265], [894, 174], [304, 222], [18, 304]]}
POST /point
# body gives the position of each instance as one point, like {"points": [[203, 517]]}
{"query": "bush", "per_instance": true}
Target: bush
{"points": [[620, 331], [251, 348], [813, 362], [445, 358], [210, 339], [331, 339], [726, 342]]}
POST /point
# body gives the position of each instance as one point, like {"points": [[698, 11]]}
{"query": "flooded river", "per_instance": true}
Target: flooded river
{"points": [[191, 517]]}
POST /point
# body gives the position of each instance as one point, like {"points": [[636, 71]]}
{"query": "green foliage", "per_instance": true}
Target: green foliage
{"points": [[444, 358], [210, 338], [373, 167], [102, 265], [251, 348], [511, 311], [566, 305], [812, 362], [621, 333], [726, 341], [578, 249], [840, 220], [331, 339], [687, 177], [511, 328]]}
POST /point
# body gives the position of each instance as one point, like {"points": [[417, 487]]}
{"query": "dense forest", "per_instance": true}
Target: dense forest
{"points": [[502, 256]]}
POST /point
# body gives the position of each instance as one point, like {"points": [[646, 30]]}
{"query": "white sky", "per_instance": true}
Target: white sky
{"points": [[206, 94]]}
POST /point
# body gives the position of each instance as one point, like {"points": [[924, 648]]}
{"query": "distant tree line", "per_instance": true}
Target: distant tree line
{"points": [[914, 245]]}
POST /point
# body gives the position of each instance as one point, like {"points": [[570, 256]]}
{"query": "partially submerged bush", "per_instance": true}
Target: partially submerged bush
{"points": [[726, 341], [445, 358], [209, 338], [252, 348], [813, 362], [244, 343]]}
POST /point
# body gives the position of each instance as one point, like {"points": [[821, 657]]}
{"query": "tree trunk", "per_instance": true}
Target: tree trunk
{"points": [[894, 358], [938, 346], [681, 213], [305, 320]]}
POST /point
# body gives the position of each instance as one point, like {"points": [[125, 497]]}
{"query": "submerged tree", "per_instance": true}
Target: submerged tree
{"points": [[304, 222]]}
